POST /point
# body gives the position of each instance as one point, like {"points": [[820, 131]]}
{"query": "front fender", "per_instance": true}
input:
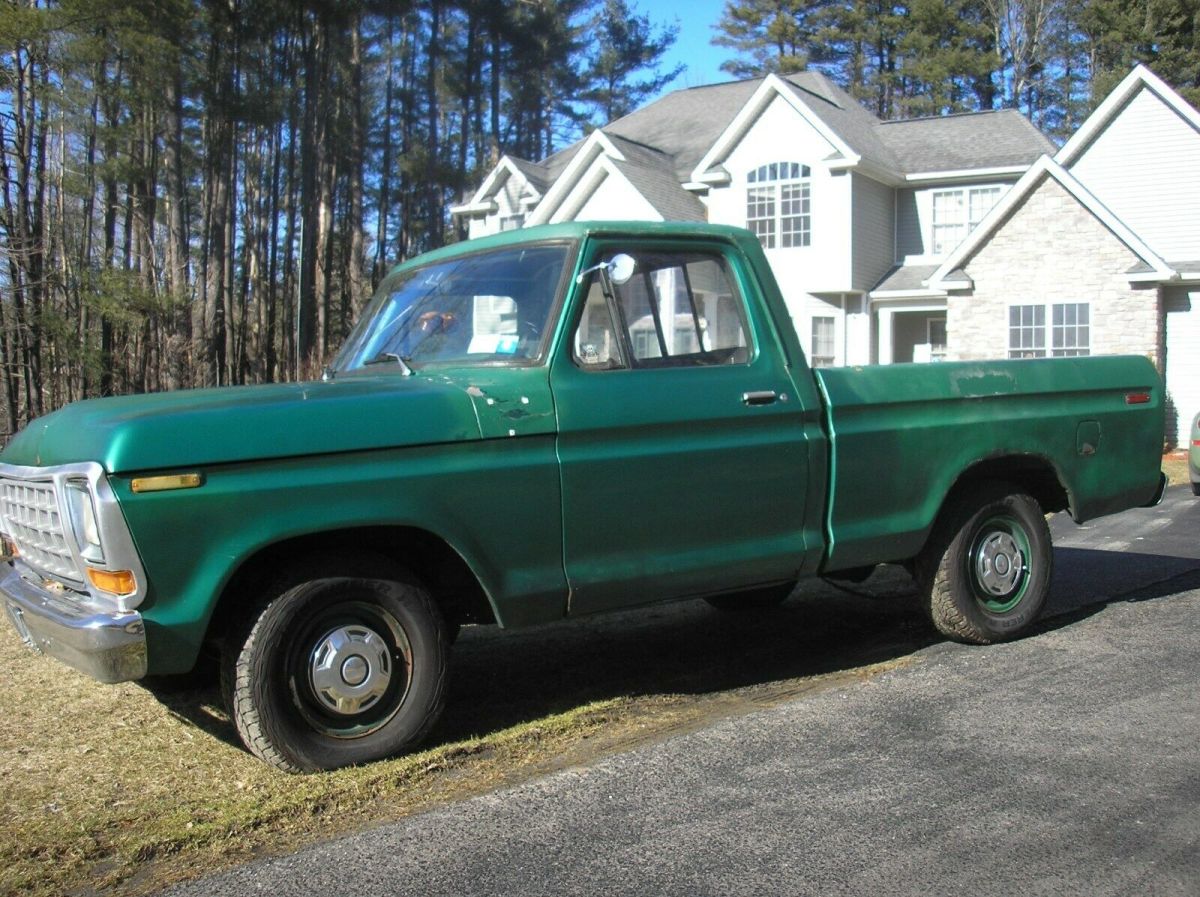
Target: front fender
{"points": [[496, 502]]}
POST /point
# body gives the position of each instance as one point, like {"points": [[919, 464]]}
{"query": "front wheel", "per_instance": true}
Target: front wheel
{"points": [[337, 671], [985, 574]]}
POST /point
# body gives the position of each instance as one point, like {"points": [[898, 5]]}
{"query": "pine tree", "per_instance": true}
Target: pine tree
{"points": [[626, 44], [948, 59], [767, 35]]}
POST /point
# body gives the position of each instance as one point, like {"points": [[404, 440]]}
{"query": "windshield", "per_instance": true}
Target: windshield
{"points": [[489, 307]]}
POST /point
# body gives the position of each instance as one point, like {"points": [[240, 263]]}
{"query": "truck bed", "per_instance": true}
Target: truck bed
{"points": [[901, 437]]}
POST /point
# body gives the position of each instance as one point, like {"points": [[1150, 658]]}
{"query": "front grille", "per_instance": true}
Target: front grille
{"points": [[33, 521]]}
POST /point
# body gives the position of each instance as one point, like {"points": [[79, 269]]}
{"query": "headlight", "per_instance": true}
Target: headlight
{"points": [[82, 511]]}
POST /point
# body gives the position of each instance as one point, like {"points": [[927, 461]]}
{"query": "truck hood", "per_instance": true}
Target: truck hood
{"points": [[247, 423]]}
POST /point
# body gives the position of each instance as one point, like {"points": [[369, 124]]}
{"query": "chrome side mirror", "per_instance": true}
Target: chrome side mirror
{"points": [[619, 269]]}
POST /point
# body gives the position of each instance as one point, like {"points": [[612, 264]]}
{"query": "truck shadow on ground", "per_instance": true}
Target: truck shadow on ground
{"points": [[500, 679]]}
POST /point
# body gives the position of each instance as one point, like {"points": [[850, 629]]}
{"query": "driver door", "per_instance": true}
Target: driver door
{"points": [[682, 443]]}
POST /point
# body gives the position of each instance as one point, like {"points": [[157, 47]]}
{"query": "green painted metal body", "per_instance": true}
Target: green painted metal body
{"points": [[568, 491], [903, 435]]}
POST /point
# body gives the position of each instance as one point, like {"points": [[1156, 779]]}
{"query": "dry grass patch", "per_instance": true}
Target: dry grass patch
{"points": [[97, 780], [1175, 466]]}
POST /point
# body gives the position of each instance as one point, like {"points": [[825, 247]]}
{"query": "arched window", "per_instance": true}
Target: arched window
{"points": [[779, 204]]}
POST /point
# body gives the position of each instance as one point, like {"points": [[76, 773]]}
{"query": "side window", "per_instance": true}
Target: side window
{"points": [[677, 309], [597, 345]]}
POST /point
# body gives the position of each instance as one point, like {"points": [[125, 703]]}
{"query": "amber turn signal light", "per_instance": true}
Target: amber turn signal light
{"points": [[116, 582], [165, 483]]}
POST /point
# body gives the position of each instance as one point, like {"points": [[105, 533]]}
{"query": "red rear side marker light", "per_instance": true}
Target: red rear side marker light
{"points": [[1137, 398]]}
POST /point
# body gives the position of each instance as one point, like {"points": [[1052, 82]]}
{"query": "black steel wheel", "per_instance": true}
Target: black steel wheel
{"points": [[337, 670]]}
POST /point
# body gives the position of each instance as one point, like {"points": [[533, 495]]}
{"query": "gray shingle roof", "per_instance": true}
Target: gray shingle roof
{"points": [[667, 139], [685, 123], [536, 174], [640, 153], [973, 140], [857, 127], [905, 277], [1141, 266], [661, 189]]}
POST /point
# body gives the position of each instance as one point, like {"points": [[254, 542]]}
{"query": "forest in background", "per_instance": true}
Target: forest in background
{"points": [[204, 192]]}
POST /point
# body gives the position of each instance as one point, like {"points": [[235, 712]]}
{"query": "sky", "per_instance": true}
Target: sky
{"points": [[695, 19]]}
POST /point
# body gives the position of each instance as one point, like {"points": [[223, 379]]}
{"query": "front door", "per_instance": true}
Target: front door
{"points": [[681, 441]]}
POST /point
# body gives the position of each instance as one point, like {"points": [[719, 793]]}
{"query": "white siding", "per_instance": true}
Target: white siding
{"points": [[603, 195], [873, 250], [1145, 166], [780, 134], [508, 202], [1182, 306], [909, 235]]}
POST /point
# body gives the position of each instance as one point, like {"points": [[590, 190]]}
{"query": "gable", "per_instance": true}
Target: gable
{"points": [[603, 193], [994, 225], [772, 117], [1053, 249], [1047, 237], [1144, 165], [778, 133]]}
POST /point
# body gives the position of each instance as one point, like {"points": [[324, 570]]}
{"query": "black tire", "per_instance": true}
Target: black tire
{"points": [[337, 670], [1195, 488], [985, 573], [757, 599]]}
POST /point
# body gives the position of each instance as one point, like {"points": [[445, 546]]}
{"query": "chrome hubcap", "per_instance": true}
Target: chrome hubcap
{"points": [[350, 669], [999, 564]]}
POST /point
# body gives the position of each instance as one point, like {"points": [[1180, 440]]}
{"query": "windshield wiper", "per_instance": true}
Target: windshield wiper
{"points": [[383, 357]]}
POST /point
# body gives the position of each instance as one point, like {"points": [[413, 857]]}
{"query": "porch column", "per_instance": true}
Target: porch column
{"points": [[884, 336]]}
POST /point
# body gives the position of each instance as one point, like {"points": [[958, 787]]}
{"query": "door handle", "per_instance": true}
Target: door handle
{"points": [[759, 397]]}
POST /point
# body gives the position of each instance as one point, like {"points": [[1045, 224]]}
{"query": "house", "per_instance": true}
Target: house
{"points": [[1096, 250], [958, 237], [854, 212]]}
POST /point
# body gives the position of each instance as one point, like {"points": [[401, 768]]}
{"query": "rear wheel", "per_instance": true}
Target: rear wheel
{"points": [[985, 574], [337, 670]]}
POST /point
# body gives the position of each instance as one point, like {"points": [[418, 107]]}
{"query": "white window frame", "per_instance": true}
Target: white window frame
{"points": [[779, 204], [516, 221], [816, 357], [1049, 329], [968, 206]]}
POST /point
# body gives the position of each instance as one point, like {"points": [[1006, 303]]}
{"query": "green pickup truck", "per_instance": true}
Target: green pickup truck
{"points": [[549, 423]]}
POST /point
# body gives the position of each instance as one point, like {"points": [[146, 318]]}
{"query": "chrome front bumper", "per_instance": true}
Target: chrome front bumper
{"points": [[108, 646]]}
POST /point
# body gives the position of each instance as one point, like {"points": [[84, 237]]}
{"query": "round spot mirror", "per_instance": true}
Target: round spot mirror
{"points": [[621, 268]]}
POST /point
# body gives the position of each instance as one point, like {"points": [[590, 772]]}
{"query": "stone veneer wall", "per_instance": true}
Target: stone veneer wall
{"points": [[1052, 249]]}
